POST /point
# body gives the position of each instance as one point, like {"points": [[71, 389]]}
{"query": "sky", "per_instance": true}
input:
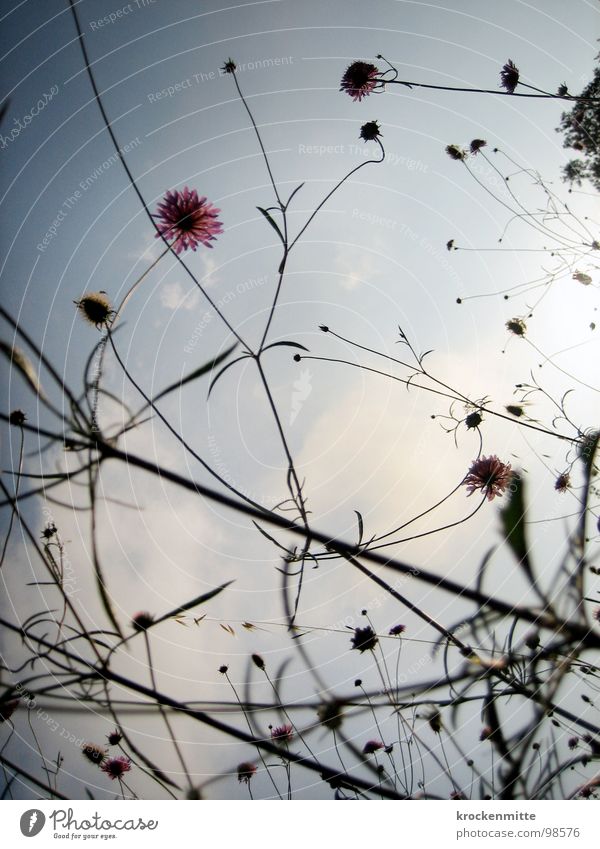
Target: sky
{"points": [[374, 260]]}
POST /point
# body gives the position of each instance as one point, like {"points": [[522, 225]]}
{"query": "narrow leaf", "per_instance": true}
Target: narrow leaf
{"points": [[222, 372], [193, 603], [23, 364], [272, 223], [286, 343], [199, 372]]}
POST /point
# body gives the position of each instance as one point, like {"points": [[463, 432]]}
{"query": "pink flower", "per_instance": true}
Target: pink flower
{"points": [[116, 767], [245, 772], [372, 746], [188, 219], [360, 79], [282, 734], [490, 475]]}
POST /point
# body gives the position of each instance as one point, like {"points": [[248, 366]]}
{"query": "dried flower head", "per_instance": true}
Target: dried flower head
{"points": [[563, 90], [397, 630], [516, 326], [364, 639], [223, 669], [359, 80], [7, 709], [573, 742], [94, 753], [95, 308], [455, 152], [188, 220], [582, 277], [370, 131], [476, 145], [17, 418], [435, 721], [245, 772], [562, 482], [282, 733], [330, 714], [515, 410], [142, 621], [49, 531], [116, 767], [490, 475], [258, 661], [229, 67], [473, 420], [114, 738], [509, 76], [372, 746]]}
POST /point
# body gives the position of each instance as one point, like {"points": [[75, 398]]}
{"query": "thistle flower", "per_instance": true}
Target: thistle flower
{"points": [[330, 715], [116, 767], [142, 621], [516, 326], [359, 80], [245, 772], [94, 753], [364, 639], [509, 76], [476, 145], [49, 531], [372, 746], [95, 308], [188, 220], [562, 482], [370, 131], [489, 475], [455, 152], [223, 669], [282, 734], [562, 90], [397, 630], [229, 67]]}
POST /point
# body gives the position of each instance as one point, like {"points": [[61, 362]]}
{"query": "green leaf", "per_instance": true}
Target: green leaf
{"points": [[272, 223]]}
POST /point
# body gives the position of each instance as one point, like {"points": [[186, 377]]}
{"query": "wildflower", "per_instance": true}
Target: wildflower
{"points": [[573, 742], [562, 482], [370, 131], [229, 67], [114, 738], [515, 410], [95, 308], [509, 76], [223, 669], [258, 661], [142, 621], [435, 721], [7, 709], [476, 145], [116, 767], [245, 772], [282, 734], [449, 244], [455, 152], [17, 418], [372, 746], [359, 80], [563, 91], [358, 682], [490, 475], [364, 639], [473, 420], [397, 630], [516, 326], [486, 733], [94, 753], [330, 715], [49, 531], [188, 219]]}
